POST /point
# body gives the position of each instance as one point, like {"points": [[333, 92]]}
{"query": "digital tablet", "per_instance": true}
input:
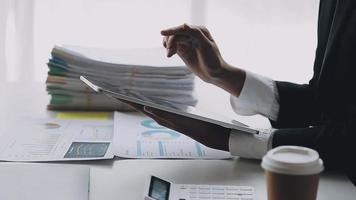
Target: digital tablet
{"points": [[161, 104]]}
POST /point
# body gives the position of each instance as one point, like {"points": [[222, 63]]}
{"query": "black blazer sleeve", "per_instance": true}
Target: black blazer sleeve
{"points": [[325, 111], [335, 142], [297, 106]]}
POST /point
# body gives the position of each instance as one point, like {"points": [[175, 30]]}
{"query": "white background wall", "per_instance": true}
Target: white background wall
{"points": [[276, 38]]}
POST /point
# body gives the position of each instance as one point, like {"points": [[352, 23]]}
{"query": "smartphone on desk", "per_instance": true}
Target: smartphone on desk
{"points": [[159, 189]]}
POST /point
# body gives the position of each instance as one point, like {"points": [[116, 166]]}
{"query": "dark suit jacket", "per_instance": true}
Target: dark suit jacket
{"points": [[322, 114]]}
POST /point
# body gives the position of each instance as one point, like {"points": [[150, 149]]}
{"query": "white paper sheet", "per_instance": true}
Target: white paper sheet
{"points": [[43, 182], [137, 136], [153, 57], [58, 139]]}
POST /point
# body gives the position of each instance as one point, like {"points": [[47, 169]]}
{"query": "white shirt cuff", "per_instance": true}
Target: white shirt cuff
{"points": [[259, 95], [253, 146]]}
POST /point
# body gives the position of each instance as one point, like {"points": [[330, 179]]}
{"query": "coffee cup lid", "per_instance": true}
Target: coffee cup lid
{"points": [[293, 160]]}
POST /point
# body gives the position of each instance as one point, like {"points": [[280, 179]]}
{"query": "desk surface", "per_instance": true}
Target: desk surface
{"points": [[124, 179]]}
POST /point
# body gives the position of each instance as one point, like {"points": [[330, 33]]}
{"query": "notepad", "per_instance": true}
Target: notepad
{"points": [[28, 181]]}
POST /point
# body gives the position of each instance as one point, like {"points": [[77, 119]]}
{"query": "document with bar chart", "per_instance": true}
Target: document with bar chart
{"points": [[64, 136], [137, 136]]}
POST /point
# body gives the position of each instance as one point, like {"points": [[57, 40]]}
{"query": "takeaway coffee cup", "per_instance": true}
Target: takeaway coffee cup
{"points": [[292, 173]]}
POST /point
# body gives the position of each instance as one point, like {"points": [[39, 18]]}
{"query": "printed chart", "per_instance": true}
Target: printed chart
{"points": [[66, 136], [137, 136]]}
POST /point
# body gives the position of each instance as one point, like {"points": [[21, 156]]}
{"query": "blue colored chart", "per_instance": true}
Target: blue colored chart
{"points": [[157, 132], [151, 124]]}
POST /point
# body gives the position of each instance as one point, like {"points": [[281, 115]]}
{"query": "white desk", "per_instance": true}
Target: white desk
{"points": [[124, 179]]}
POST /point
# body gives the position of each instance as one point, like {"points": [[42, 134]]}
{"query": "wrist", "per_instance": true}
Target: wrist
{"points": [[231, 79]]}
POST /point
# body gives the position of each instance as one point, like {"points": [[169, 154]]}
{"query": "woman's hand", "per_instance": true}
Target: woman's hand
{"points": [[196, 47], [210, 135]]}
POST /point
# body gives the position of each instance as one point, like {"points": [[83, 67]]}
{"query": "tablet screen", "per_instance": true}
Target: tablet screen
{"points": [[165, 105]]}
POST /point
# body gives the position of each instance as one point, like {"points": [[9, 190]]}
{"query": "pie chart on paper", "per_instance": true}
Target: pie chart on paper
{"points": [[160, 134], [157, 132]]}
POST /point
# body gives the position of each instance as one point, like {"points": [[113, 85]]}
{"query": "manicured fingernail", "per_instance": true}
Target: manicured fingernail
{"points": [[168, 52]]}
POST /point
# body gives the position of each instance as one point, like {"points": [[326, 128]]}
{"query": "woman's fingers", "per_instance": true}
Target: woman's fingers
{"points": [[206, 33], [183, 50], [200, 131], [173, 42], [184, 37], [164, 42], [171, 46], [174, 121], [159, 116], [208, 134], [187, 30], [162, 114], [173, 31], [167, 43], [168, 119]]}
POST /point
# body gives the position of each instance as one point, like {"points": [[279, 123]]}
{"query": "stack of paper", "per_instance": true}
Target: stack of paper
{"points": [[147, 71]]}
